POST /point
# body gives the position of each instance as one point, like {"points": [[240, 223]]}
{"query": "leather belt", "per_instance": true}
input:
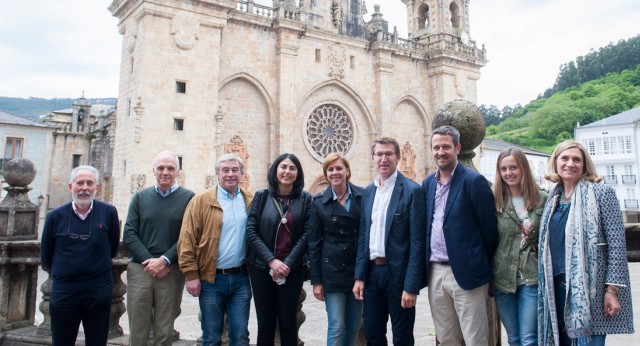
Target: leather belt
{"points": [[444, 263], [379, 261], [236, 270]]}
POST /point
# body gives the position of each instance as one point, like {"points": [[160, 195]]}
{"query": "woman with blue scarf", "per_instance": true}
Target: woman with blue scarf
{"points": [[583, 283]]}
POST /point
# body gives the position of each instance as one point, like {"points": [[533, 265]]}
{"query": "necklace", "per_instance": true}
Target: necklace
{"points": [[564, 200], [282, 213], [343, 196]]}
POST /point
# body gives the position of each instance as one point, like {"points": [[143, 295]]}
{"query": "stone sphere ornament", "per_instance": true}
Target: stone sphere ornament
{"points": [[466, 117], [19, 172]]}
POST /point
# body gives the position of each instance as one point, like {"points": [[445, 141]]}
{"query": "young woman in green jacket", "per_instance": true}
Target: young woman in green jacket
{"points": [[519, 205]]}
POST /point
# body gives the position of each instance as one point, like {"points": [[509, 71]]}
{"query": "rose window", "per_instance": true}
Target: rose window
{"points": [[329, 130]]}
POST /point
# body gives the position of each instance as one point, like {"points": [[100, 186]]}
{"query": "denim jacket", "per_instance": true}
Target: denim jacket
{"points": [[508, 258]]}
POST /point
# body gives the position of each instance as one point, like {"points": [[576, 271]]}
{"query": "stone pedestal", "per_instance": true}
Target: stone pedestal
{"points": [[19, 251]]}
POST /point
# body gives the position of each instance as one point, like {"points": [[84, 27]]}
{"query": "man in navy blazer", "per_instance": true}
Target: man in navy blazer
{"points": [[462, 235], [390, 263]]}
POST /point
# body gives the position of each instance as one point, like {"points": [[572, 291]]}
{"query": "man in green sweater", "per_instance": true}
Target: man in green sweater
{"points": [[151, 233]]}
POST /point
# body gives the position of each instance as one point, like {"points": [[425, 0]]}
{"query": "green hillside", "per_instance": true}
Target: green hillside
{"points": [[573, 99], [34, 107]]}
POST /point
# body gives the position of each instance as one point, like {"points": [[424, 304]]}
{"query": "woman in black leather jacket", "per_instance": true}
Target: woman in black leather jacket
{"points": [[335, 221], [277, 228]]}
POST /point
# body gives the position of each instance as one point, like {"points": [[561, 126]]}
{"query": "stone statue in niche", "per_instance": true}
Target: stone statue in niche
{"points": [[137, 182], [408, 161], [210, 181], [237, 147], [336, 59], [336, 13]]}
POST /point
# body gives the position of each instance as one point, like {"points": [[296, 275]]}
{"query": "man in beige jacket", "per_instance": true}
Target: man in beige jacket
{"points": [[211, 254]]}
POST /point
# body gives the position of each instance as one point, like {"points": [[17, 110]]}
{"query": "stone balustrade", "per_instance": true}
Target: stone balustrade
{"points": [[20, 260]]}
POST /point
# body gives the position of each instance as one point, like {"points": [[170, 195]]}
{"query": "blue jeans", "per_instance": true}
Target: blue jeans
{"points": [[230, 294], [560, 289], [519, 314], [344, 313]]}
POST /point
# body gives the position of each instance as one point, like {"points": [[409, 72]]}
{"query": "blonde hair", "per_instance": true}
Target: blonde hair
{"points": [[333, 157], [589, 171], [528, 185]]}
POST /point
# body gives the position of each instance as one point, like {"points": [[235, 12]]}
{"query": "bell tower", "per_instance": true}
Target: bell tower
{"points": [[431, 17]]}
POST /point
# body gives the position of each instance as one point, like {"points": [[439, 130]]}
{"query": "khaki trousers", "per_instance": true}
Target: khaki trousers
{"points": [[152, 302], [457, 314]]}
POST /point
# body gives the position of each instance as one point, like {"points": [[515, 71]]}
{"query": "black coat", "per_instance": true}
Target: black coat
{"points": [[262, 226], [333, 239]]}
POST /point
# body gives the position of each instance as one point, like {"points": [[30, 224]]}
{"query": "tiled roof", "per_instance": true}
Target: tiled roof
{"points": [[627, 117], [12, 119], [498, 145]]}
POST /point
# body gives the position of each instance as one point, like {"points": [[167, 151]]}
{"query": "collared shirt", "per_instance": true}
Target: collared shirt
{"points": [[438, 244], [165, 194], [81, 215], [173, 187], [379, 215], [347, 203], [231, 250]]}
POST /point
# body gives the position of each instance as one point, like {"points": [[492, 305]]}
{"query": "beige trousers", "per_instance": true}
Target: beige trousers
{"points": [[457, 314], [152, 302]]}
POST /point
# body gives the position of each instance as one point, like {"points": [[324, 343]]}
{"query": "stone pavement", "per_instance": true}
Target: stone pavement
{"points": [[313, 331]]}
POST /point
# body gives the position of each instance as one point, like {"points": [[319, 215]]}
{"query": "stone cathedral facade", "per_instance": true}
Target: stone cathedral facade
{"points": [[204, 77]]}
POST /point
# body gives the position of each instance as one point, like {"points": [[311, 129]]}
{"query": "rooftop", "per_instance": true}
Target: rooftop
{"points": [[498, 145], [627, 117], [12, 119]]}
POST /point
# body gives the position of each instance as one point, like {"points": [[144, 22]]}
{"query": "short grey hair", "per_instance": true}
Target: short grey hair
{"points": [[74, 173], [166, 153], [229, 157], [446, 130]]}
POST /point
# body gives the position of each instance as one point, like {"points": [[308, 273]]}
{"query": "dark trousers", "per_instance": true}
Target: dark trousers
{"points": [[380, 302], [276, 303], [90, 307]]}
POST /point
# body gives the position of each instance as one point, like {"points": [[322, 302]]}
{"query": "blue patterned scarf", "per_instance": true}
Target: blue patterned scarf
{"points": [[581, 238]]}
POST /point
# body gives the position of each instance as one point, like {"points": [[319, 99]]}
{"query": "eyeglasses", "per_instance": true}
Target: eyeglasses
{"points": [[388, 154], [79, 236]]}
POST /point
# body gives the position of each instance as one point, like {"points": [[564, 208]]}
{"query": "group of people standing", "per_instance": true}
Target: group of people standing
{"points": [[555, 262]]}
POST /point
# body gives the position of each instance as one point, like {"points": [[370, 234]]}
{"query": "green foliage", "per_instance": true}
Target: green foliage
{"points": [[35, 107], [614, 58], [547, 121]]}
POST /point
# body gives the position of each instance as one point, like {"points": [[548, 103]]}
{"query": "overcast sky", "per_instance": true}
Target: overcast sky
{"points": [[60, 48]]}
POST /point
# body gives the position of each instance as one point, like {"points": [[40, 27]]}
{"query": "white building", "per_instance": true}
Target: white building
{"points": [[613, 146], [23, 138], [487, 156]]}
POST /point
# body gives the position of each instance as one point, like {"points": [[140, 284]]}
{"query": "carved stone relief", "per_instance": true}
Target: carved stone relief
{"points": [[337, 59], [237, 147], [138, 181], [210, 181], [408, 161], [336, 13], [184, 36], [139, 111]]}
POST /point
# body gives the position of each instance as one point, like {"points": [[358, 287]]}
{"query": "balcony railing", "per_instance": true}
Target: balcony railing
{"points": [[611, 179], [631, 203], [629, 179]]}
